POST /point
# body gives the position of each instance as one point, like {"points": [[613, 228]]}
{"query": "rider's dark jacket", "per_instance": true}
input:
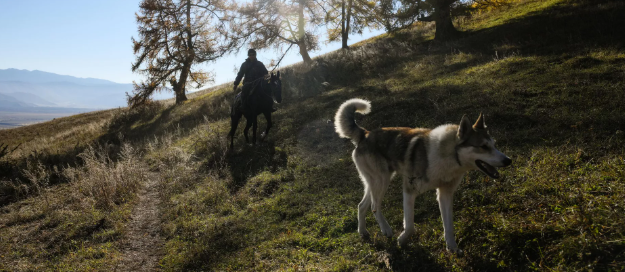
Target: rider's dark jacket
{"points": [[252, 70]]}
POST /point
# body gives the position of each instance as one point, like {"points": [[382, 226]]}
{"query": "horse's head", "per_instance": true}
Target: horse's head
{"points": [[276, 86]]}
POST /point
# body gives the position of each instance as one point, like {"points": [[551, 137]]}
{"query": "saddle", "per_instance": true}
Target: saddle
{"points": [[238, 99]]}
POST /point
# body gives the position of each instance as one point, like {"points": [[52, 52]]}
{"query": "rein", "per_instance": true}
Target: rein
{"points": [[256, 83], [287, 50]]}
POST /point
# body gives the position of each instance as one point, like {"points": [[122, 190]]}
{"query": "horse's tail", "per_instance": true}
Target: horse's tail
{"points": [[345, 122]]}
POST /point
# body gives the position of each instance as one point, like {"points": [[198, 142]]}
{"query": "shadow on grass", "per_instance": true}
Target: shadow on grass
{"points": [[249, 160], [571, 28], [145, 123]]}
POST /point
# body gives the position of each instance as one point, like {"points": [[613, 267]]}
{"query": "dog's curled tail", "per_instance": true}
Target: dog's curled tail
{"points": [[345, 122]]}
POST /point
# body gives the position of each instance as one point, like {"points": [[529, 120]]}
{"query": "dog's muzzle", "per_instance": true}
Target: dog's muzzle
{"points": [[490, 170]]}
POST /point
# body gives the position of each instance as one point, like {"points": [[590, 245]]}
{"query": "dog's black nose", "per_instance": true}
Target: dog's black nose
{"points": [[507, 162]]}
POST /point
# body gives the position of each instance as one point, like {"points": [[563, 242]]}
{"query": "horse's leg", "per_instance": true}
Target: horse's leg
{"points": [[269, 124], [248, 125], [234, 123], [255, 124]]}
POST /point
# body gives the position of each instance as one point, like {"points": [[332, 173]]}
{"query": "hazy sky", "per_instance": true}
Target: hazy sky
{"points": [[91, 38]]}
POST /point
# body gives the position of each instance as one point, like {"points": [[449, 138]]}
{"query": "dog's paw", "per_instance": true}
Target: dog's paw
{"points": [[364, 234], [456, 251], [387, 231], [403, 238]]}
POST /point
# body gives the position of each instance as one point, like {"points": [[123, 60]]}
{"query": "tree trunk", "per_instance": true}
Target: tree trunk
{"points": [[304, 52], [343, 33], [445, 29], [349, 16], [180, 86], [179, 90], [181, 95], [301, 33]]}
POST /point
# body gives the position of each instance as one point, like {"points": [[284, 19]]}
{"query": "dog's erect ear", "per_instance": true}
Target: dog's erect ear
{"points": [[278, 74], [465, 128], [479, 124]]}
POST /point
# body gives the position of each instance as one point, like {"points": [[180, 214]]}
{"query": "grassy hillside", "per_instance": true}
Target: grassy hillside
{"points": [[548, 75]]}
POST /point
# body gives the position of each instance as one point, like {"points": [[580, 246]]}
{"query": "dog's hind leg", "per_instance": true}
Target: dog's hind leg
{"points": [[409, 229], [378, 187], [365, 203], [363, 206], [376, 184]]}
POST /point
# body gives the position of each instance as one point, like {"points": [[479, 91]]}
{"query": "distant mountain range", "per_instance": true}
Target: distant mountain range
{"points": [[45, 77], [10, 102], [37, 91]]}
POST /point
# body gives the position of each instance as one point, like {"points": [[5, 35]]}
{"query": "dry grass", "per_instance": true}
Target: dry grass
{"points": [[108, 183], [46, 148], [72, 226]]}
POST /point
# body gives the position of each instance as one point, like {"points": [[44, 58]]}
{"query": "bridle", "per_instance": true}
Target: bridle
{"points": [[271, 90]]}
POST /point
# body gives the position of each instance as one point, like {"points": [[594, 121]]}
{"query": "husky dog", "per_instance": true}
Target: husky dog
{"points": [[426, 158]]}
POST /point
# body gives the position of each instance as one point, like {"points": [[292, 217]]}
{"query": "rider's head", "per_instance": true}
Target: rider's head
{"points": [[251, 54]]}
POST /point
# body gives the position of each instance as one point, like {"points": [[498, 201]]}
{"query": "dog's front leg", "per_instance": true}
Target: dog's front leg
{"points": [[445, 204], [409, 229]]}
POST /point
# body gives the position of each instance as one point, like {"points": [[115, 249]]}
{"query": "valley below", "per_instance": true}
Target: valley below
{"points": [[11, 119]]}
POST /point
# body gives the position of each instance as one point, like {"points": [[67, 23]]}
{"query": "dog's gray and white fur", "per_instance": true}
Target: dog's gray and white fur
{"points": [[426, 158]]}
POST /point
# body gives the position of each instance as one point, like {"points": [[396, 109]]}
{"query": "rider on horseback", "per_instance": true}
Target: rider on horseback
{"points": [[254, 71]]}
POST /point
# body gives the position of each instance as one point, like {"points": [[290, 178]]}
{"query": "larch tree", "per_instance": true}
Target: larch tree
{"points": [[349, 17], [398, 14], [174, 38], [275, 23], [439, 11]]}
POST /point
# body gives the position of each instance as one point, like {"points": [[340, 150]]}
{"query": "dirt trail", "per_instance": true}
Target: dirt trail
{"points": [[142, 245]]}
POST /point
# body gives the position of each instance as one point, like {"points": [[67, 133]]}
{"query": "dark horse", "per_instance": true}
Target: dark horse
{"points": [[260, 100]]}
